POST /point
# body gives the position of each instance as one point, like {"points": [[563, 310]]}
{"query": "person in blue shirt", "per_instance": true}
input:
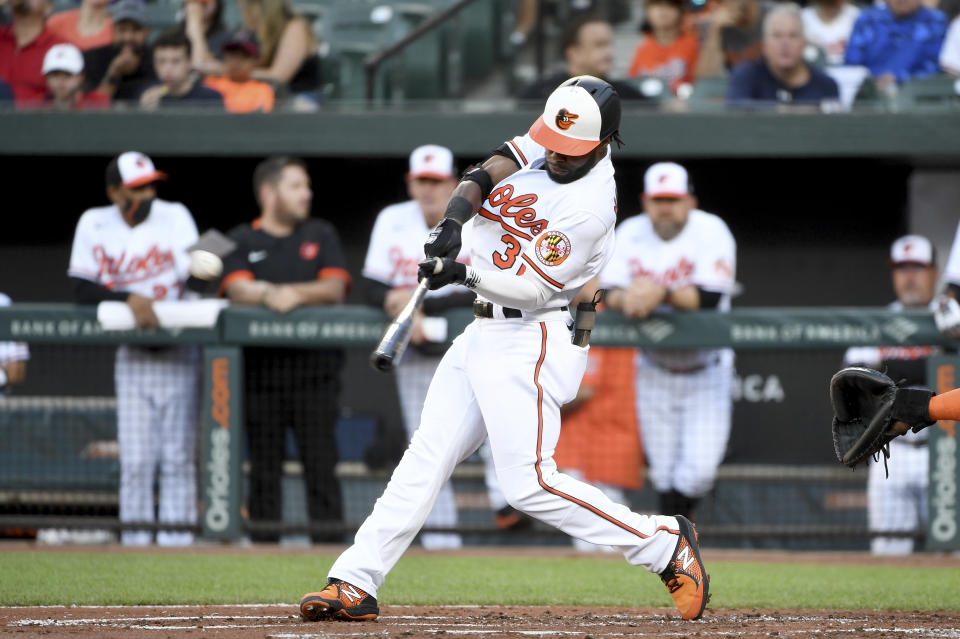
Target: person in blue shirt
{"points": [[897, 41], [6, 94], [780, 76]]}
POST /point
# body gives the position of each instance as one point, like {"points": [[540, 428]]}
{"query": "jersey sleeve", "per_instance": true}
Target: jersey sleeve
{"points": [[716, 265], [524, 150], [952, 272], [561, 252], [236, 266], [377, 265], [83, 259], [331, 263]]}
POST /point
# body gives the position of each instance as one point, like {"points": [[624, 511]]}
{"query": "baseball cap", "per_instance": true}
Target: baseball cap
{"points": [[63, 57], [666, 179], [912, 249], [132, 10], [136, 169], [243, 40], [579, 114], [431, 161]]}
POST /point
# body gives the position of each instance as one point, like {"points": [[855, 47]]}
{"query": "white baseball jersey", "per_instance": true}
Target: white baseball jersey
{"points": [[703, 254], [952, 273], [396, 248], [513, 232], [12, 351], [149, 259], [830, 37]]}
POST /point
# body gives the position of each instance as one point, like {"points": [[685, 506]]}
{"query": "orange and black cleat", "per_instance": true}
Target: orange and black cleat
{"points": [[685, 576], [339, 600]]}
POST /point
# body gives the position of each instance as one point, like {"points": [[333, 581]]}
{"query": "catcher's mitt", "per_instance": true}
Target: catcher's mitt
{"points": [[867, 405]]}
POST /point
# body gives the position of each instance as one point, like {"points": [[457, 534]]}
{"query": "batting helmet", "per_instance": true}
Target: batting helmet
{"points": [[579, 115]]}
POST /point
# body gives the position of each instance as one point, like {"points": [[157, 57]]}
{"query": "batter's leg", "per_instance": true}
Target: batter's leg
{"points": [[522, 373], [413, 377], [178, 459], [449, 432], [137, 441]]}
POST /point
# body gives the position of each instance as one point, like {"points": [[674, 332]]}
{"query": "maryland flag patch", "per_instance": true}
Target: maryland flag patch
{"points": [[553, 248]]}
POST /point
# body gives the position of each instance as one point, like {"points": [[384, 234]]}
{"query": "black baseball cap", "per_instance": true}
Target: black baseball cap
{"points": [[243, 40], [131, 10]]}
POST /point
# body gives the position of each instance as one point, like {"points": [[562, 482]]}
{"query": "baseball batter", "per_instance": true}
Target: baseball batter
{"points": [[396, 248], [898, 503], [677, 257], [541, 233], [135, 250]]}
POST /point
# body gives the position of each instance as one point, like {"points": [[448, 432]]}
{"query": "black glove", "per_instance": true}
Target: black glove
{"points": [[444, 239], [442, 271], [866, 403]]}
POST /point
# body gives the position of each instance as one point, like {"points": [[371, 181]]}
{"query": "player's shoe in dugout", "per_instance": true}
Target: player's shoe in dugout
{"points": [[685, 576], [339, 600]]}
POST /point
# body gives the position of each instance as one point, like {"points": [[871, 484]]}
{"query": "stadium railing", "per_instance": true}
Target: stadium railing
{"points": [[779, 485]]}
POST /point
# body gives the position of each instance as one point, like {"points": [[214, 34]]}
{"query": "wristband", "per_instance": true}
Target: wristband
{"points": [[459, 209], [481, 178]]}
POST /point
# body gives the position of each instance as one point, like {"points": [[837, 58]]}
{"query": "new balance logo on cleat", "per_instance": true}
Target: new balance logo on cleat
{"points": [[339, 600], [685, 576]]}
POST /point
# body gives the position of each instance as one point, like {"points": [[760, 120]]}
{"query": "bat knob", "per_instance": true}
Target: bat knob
{"points": [[381, 362]]}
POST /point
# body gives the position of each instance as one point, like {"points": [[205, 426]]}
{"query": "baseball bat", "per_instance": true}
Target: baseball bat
{"points": [[397, 335]]}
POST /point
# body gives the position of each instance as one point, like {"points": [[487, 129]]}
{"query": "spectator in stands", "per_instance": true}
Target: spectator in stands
{"points": [[88, 27], [781, 76], [241, 94], [587, 48], [667, 51], [13, 359], [63, 71], [135, 251], [733, 34], [179, 85], [285, 259], [950, 53], [23, 45], [827, 24], [288, 47], [899, 503], [897, 41], [203, 25], [123, 69]]}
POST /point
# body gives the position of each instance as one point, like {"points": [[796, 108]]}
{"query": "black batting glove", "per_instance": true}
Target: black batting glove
{"points": [[444, 240], [442, 271]]}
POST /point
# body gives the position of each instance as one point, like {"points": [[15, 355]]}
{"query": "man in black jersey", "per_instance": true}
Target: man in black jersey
{"points": [[285, 259]]}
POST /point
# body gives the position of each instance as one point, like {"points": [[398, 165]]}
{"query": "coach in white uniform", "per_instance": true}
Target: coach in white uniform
{"points": [[543, 225], [13, 359], [135, 250], [898, 503], [675, 257]]}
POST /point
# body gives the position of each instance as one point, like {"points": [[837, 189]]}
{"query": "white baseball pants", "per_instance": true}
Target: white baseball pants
{"points": [[900, 502], [157, 414], [505, 379]]}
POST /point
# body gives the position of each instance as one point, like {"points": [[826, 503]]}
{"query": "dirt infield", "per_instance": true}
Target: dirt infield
{"points": [[489, 622]]}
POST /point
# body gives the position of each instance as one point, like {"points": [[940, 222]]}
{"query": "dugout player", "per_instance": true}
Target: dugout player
{"points": [[285, 259], [390, 277], [675, 257], [135, 250], [13, 359], [544, 228], [899, 503]]}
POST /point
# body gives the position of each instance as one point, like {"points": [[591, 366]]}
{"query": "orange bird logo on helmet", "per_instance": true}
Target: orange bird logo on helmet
{"points": [[565, 119]]}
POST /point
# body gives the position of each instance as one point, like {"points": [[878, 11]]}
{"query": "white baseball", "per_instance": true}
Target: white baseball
{"points": [[205, 265]]}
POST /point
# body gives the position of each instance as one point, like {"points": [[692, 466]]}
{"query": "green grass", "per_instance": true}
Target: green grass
{"points": [[94, 579]]}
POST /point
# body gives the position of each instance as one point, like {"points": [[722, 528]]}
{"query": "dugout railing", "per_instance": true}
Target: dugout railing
{"points": [[778, 487]]}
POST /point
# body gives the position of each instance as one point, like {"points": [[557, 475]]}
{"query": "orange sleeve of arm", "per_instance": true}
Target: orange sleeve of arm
{"points": [[946, 406]]}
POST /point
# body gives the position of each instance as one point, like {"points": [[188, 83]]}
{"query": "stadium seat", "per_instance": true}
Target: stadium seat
{"points": [[650, 86], [709, 94], [931, 91]]}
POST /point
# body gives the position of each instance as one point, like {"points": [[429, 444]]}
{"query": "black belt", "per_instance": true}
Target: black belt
{"points": [[484, 310]]}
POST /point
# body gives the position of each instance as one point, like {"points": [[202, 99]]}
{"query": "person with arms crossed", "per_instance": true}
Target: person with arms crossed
{"points": [[898, 503], [545, 228], [675, 257], [285, 259], [135, 251]]}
